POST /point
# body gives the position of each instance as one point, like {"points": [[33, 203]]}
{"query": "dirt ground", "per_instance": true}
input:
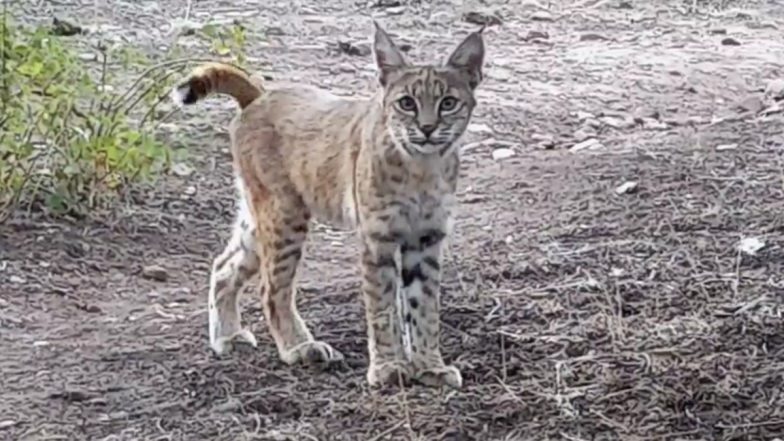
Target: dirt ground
{"points": [[576, 307]]}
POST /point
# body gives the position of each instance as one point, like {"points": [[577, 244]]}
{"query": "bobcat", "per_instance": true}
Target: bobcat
{"points": [[386, 165]]}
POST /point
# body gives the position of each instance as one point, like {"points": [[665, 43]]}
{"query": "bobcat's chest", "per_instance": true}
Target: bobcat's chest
{"points": [[407, 195], [426, 207], [419, 211]]}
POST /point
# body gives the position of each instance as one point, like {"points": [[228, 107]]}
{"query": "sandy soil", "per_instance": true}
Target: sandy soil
{"points": [[575, 310]]}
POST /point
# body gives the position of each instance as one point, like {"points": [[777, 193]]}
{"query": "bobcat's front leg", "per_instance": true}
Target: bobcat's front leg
{"points": [[421, 277], [380, 278]]}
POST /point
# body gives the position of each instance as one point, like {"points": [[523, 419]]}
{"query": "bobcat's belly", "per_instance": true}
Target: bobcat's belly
{"points": [[336, 207]]}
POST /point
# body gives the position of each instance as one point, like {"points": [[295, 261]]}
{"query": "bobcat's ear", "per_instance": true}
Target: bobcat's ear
{"points": [[469, 57], [388, 57]]}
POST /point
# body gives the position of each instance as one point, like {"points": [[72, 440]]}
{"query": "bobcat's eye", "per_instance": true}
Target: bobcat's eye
{"points": [[407, 104], [447, 104]]}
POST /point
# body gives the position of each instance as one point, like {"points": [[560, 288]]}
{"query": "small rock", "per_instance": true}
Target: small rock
{"points": [[592, 123], [729, 41], [230, 405], [92, 309], [481, 19], [396, 10], [616, 272], [718, 31], [358, 50], [479, 128], [582, 134], [677, 120], [588, 144], [541, 137], [546, 145], [40, 343], [502, 153], [155, 272], [761, 24], [641, 113], [751, 104], [65, 29], [387, 4], [626, 188], [275, 31], [180, 26], [73, 396], [624, 5], [190, 190], [775, 89], [499, 73], [583, 115], [725, 147], [544, 142], [652, 124], [593, 37], [751, 245], [488, 142], [541, 16], [168, 127], [772, 110], [16, 280], [181, 169], [698, 120], [536, 35], [7, 423], [617, 123]]}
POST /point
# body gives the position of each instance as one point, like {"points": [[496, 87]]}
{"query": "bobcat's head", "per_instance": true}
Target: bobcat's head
{"points": [[427, 107]]}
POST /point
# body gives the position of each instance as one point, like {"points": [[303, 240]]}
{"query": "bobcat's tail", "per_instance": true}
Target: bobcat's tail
{"points": [[220, 78]]}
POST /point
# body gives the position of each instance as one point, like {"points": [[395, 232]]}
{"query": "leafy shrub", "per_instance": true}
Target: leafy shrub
{"points": [[66, 139], [227, 41]]}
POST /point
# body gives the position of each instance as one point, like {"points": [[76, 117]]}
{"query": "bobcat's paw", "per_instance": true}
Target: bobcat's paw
{"points": [[222, 345], [440, 376], [311, 352], [388, 373]]}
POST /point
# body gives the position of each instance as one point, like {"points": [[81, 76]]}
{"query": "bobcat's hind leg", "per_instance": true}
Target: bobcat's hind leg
{"points": [[238, 263], [282, 226]]}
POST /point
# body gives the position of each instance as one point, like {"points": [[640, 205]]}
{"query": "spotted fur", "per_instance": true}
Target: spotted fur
{"points": [[386, 164]]}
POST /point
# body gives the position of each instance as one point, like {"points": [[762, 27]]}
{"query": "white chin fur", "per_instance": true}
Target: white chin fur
{"points": [[427, 148], [178, 95]]}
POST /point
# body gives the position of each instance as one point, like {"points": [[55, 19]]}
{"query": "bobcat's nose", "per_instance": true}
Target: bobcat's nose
{"points": [[427, 129]]}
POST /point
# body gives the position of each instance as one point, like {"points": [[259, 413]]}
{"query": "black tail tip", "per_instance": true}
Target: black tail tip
{"points": [[190, 97]]}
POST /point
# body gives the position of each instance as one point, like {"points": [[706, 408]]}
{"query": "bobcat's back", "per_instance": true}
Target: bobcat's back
{"points": [[307, 138]]}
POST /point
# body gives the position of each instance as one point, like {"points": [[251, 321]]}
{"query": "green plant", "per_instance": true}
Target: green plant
{"points": [[66, 139], [227, 41]]}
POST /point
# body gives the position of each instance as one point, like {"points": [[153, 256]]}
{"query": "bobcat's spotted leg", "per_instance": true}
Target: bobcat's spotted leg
{"points": [[230, 271], [282, 227], [421, 277], [379, 291]]}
